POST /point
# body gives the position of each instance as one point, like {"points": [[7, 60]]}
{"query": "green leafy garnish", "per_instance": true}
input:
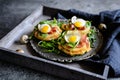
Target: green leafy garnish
{"points": [[88, 24], [61, 40], [91, 36], [43, 35], [72, 45], [50, 46], [50, 22], [31, 35], [60, 23]]}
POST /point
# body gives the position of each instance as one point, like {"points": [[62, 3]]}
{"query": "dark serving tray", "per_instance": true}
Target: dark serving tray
{"points": [[73, 71]]}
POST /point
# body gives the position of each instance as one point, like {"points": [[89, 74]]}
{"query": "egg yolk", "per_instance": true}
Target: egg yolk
{"points": [[45, 29], [72, 38], [78, 24]]}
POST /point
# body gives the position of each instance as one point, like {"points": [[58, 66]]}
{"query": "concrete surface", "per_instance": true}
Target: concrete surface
{"points": [[12, 12]]}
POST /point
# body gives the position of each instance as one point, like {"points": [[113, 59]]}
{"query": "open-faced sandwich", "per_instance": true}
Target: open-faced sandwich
{"points": [[77, 24], [74, 43], [73, 37], [47, 30]]}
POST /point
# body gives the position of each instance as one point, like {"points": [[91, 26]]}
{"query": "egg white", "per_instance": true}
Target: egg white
{"points": [[40, 27], [82, 21], [73, 19], [70, 33]]}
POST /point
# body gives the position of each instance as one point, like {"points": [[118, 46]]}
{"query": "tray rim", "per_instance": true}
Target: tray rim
{"points": [[3, 48], [104, 76]]}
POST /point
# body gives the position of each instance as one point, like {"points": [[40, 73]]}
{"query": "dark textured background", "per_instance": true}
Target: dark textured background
{"points": [[12, 12]]}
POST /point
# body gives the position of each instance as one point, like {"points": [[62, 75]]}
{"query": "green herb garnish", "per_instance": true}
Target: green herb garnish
{"points": [[88, 24], [91, 36], [43, 35], [60, 23], [50, 22], [50, 46], [61, 40], [72, 45]]}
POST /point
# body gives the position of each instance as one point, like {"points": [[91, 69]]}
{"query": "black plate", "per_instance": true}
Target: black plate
{"points": [[65, 58]]}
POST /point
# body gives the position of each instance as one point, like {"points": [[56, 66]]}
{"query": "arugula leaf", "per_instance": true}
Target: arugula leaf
{"points": [[73, 45], [91, 36], [50, 22], [43, 35], [50, 46], [88, 24], [31, 35], [61, 40], [55, 21], [60, 23]]}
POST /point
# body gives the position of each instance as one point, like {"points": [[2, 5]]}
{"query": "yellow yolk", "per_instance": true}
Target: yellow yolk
{"points": [[44, 29], [78, 24], [72, 38]]}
